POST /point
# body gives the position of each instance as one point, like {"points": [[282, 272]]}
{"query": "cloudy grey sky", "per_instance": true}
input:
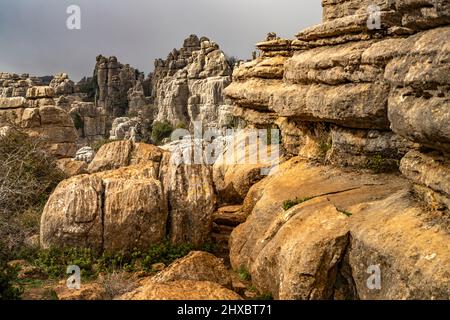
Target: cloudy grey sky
{"points": [[34, 38]]}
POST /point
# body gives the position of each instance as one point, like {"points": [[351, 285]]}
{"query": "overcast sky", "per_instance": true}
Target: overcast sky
{"points": [[34, 38]]}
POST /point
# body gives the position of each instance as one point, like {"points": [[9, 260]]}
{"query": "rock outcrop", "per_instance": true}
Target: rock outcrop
{"points": [[181, 290], [114, 210], [38, 116], [198, 276], [352, 92], [114, 80], [322, 247], [62, 85], [188, 85], [131, 186]]}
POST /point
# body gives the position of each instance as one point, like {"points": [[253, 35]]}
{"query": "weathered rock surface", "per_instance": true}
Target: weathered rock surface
{"points": [[288, 257], [431, 172], [147, 191], [190, 192], [197, 266], [62, 85], [413, 256], [125, 128], [418, 106], [188, 85], [242, 164], [85, 154], [114, 80], [119, 154], [181, 290], [89, 120], [114, 210], [47, 122]]}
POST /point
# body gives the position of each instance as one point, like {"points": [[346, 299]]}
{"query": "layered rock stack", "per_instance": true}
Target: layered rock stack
{"points": [[368, 88], [114, 80], [14, 85], [38, 116], [188, 85], [349, 93], [62, 85]]}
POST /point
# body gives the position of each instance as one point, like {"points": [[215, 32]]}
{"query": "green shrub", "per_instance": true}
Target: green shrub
{"points": [[288, 204], [29, 174], [243, 274], [54, 262], [376, 163], [9, 288], [160, 131]]}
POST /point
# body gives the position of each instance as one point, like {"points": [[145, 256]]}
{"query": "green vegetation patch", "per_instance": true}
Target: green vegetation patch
{"points": [[288, 204]]}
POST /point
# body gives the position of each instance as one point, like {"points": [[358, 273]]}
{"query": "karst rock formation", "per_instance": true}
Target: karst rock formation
{"points": [[361, 184]]}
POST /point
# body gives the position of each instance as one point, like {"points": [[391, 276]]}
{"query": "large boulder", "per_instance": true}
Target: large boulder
{"points": [[305, 220], [119, 154], [197, 266], [190, 192], [242, 164], [115, 210]]}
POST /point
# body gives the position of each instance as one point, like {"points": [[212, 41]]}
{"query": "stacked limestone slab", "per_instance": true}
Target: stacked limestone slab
{"points": [[354, 90], [39, 117], [357, 97]]}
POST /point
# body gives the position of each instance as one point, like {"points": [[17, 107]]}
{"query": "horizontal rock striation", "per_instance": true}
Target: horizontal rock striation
{"points": [[354, 95], [38, 116], [188, 86]]}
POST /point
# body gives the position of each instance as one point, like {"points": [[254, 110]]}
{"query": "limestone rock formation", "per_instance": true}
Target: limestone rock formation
{"points": [[133, 129], [40, 118], [89, 120], [13, 85], [351, 93], [300, 253], [198, 276], [188, 85], [241, 165], [85, 154], [131, 186], [72, 167], [197, 266], [114, 210], [62, 85], [190, 190], [114, 80]]}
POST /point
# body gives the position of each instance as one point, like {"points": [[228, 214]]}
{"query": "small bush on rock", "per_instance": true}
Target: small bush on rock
{"points": [[160, 131]]}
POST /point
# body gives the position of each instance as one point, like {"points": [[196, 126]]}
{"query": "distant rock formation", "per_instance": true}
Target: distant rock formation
{"points": [[38, 116], [188, 85], [114, 80]]}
